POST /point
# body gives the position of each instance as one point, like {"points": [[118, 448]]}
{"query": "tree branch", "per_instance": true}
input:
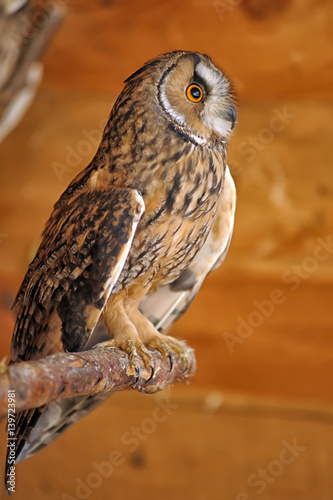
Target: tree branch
{"points": [[100, 369]]}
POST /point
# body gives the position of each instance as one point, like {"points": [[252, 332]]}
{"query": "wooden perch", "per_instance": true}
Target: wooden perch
{"points": [[100, 369]]}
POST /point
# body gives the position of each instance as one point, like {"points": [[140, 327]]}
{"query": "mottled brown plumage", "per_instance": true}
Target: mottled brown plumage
{"points": [[133, 220]]}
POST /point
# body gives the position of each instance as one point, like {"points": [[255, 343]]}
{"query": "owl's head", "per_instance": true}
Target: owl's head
{"points": [[192, 93]]}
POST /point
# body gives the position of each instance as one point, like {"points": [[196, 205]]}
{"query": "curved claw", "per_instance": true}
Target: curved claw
{"points": [[169, 347], [171, 361], [152, 371], [137, 371]]}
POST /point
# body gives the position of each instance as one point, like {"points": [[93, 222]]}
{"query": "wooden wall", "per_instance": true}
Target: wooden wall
{"points": [[272, 49], [259, 384]]}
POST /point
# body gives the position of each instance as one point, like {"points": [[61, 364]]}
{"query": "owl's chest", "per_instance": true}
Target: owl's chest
{"points": [[178, 217]]}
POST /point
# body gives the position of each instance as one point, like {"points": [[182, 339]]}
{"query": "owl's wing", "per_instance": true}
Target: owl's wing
{"points": [[163, 307], [83, 251], [167, 304], [56, 419]]}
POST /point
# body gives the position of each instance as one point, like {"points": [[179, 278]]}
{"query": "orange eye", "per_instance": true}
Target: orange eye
{"points": [[194, 93]]}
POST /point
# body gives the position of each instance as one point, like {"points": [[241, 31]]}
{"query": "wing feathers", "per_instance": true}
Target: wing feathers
{"points": [[83, 251], [79, 260]]}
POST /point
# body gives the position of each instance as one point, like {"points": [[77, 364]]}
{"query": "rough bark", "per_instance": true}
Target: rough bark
{"points": [[100, 369]]}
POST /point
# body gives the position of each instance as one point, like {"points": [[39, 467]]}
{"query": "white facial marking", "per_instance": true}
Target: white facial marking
{"points": [[218, 87], [178, 117], [218, 83], [220, 126], [166, 103]]}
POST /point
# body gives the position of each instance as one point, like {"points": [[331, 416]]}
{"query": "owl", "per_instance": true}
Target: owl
{"points": [[131, 239]]}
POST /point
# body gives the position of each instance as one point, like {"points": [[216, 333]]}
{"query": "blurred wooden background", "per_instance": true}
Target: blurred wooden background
{"points": [[262, 324]]}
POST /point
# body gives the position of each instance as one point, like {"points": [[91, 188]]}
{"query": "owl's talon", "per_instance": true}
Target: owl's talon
{"points": [[171, 361], [136, 351], [161, 347], [152, 372], [137, 372], [167, 346], [134, 367]]}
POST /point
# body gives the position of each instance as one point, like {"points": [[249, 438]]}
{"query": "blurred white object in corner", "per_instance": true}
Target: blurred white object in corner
{"points": [[26, 27]]}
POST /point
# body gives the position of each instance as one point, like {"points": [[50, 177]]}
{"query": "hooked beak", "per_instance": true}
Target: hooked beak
{"points": [[232, 116], [222, 119]]}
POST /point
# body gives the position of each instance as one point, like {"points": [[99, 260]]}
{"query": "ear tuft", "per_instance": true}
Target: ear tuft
{"points": [[140, 72]]}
